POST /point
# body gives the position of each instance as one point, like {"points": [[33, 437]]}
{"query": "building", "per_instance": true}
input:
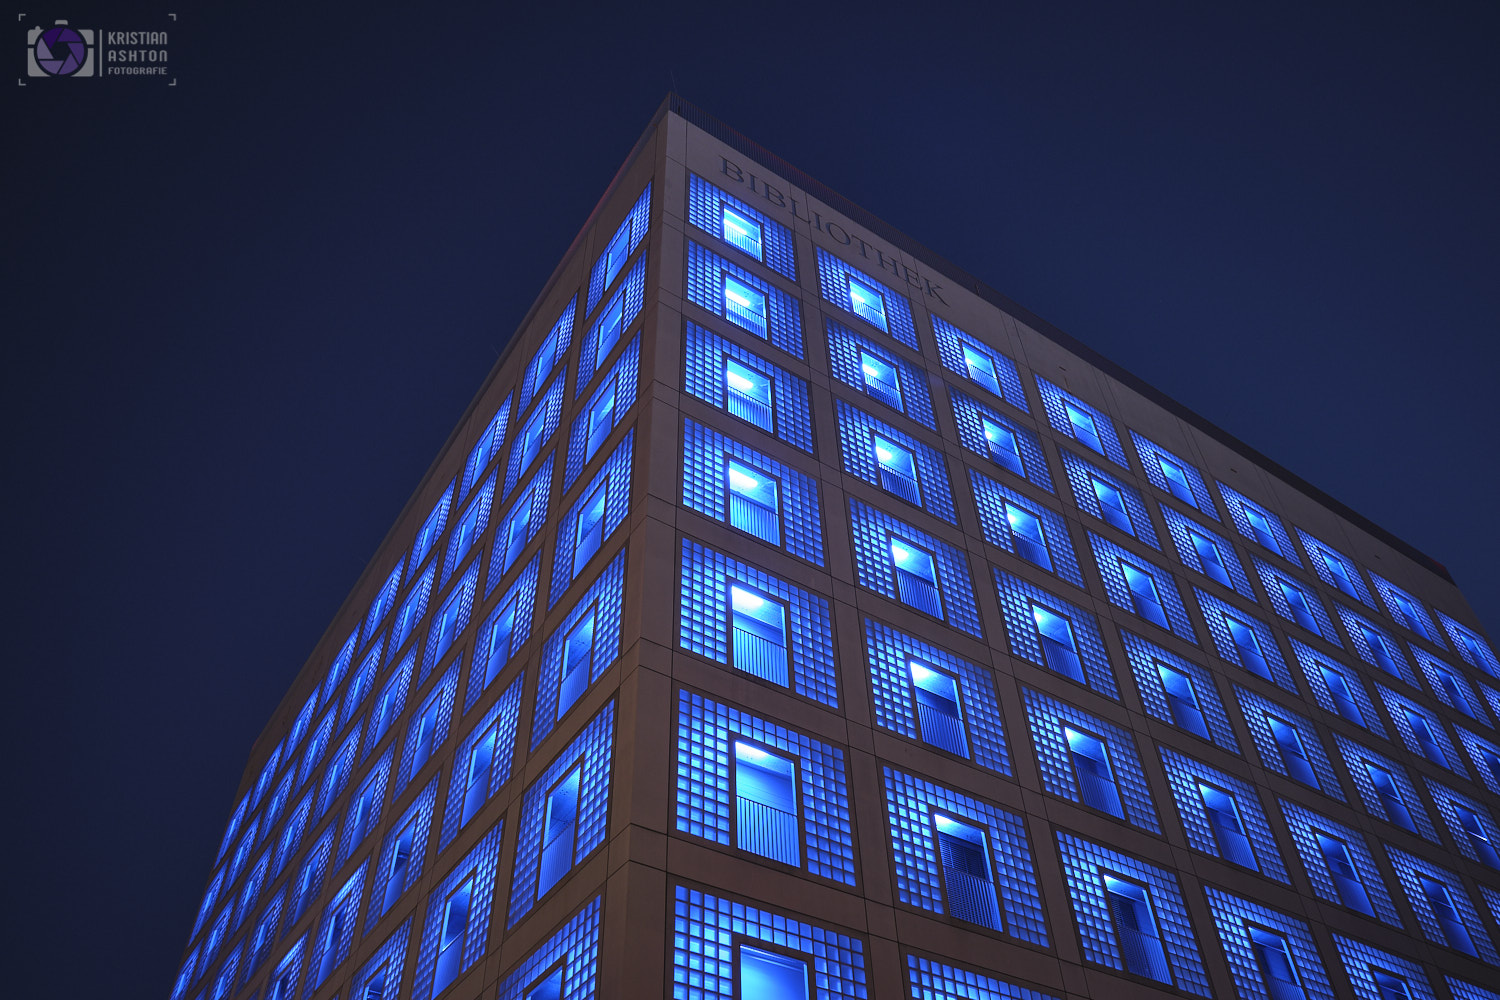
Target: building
{"points": [[791, 615]]}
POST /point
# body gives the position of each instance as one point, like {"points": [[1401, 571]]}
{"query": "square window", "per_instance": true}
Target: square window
{"points": [[916, 577], [765, 794], [1058, 648], [766, 975], [1028, 537], [754, 501], [749, 395], [1177, 481], [1084, 429], [939, 714], [881, 380], [616, 253], [1003, 446], [742, 232], [981, 369], [601, 421], [898, 469], [558, 828], [758, 633], [590, 527], [745, 306], [867, 303], [607, 333]]}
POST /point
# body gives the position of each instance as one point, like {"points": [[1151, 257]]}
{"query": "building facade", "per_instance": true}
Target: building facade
{"points": [[792, 616]]}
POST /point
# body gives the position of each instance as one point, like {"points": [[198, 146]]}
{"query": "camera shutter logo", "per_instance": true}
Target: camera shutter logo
{"points": [[60, 51]]}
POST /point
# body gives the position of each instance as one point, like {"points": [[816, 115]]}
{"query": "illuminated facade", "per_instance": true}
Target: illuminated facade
{"points": [[792, 616]]}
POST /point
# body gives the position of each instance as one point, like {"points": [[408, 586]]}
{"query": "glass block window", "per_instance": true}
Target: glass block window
{"points": [[307, 884], [291, 834], [711, 936], [1385, 788], [1470, 823], [565, 966], [879, 373], [736, 222], [1141, 587], [215, 941], [1073, 418], [1444, 910], [224, 982], [960, 856], [363, 814], [1258, 524], [483, 762], [932, 980], [1109, 498], [485, 449], [992, 435], [380, 976], [1245, 641], [895, 461], [288, 972], [432, 527], [533, 435], [1338, 688], [1451, 688], [340, 665], [1222, 815], [549, 354], [1472, 646], [718, 801], [580, 650], [603, 412], [317, 745], [1295, 601], [1087, 760], [1130, 915], [1338, 863], [360, 684], [335, 933], [621, 245], [470, 525], [1376, 646], [520, 524], [450, 619], [1288, 743], [455, 931], [384, 600], [1178, 692], [259, 940], [1468, 991], [427, 729], [411, 611], [896, 560], [749, 302], [927, 694], [1172, 474], [1024, 528], [1272, 956], [749, 490], [871, 300], [748, 387], [1335, 569], [742, 617], [553, 836], [969, 357], [233, 829], [185, 976], [336, 774], [399, 864], [1206, 552], [389, 702], [1421, 731], [1485, 755], [593, 518], [504, 632], [1374, 974], [1406, 610], [210, 897], [1046, 630]]}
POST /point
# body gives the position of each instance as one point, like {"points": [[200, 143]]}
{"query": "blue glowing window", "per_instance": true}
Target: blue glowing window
{"points": [[765, 796], [1026, 531], [962, 856], [729, 377], [896, 560], [1339, 864], [317, 745], [860, 363], [749, 395], [1379, 975], [1258, 524], [603, 411], [1003, 446], [896, 462], [769, 975], [547, 356], [1182, 700], [915, 571], [621, 244], [471, 524], [336, 671], [533, 434], [451, 619], [1053, 633], [566, 965], [881, 380], [1141, 587], [1207, 552], [483, 762], [1222, 815], [1468, 991], [556, 833], [378, 978], [1109, 498], [742, 630], [384, 599], [1469, 822], [399, 864], [283, 982], [964, 354], [1475, 651], [1024, 527], [1406, 610], [1086, 759], [751, 491], [359, 685], [429, 725], [1421, 731], [1294, 601], [1485, 755], [992, 435], [1442, 905], [1272, 956], [1229, 833], [898, 470], [340, 767], [719, 213], [1335, 569], [743, 299], [364, 809], [607, 329], [1338, 689], [1244, 640], [932, 980], [308, 882], [1176, 479], [927, 694], [336, 930], [610, 325], [1451, 688], [1288, 743], [389, 703], [1076, 419], [505, 631], [872, 301], [437, 519], [583, 646], [520, 524], [1130, 915], [1376, 646], [410, 612], [1385, 788], [1178, 691], [485, 448], [456, 928], [298, 727], [701, 956], [599, 512]]}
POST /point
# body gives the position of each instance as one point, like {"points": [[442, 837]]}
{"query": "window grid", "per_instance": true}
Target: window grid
{"points": [[1241, 508], [485, 448], [1452, 805], [1108, 557], [1303, 824], [1313, 665], [347, 899], [857, 431], [1048, 717], [1000, 378], [833, 280], [388, 962], [451, 619], [605, 600], [338, 772], [479, 864], [1084, 865], [622, 379], [317, 744], [576, 946], [1275, 583], [874, 531], [505, 714], [534, 434], [361, 682], [1017, 598], [1055, 400], [1355, 756], [1452, 688], [1485, 756], [1183, 774], [1401, 710], [703, 954], [1144, 657], [706, 271], [1319, 553], [393, 696], [1468, 991], [1081, 477], [890, 654], [1472, 646], [529, 508], [1360, 629], [910, 804], [615, 479], [417, 817], [844, 349], [991, 499], [411, 611], [969, 416], [518, 604], [632, 230], [704, 453], [432, 527], [705, 205], [933, 980], [1217, 614], [703, 377], [340, 666], [1181, 529], [1152, 456], [1233, 918], [549, 354], [1254, 709], [703, 623], [441, 696], [469, 526], [705, 786], [594, 747], [373, 786], [1361, 962], [1405, 610], [1410, 869]]}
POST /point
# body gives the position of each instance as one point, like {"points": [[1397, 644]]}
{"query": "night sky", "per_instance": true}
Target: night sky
{"points": [[243, 313]]}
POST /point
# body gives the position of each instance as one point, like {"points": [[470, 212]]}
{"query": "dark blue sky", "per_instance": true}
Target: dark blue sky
{"points": [[246, 311]]}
